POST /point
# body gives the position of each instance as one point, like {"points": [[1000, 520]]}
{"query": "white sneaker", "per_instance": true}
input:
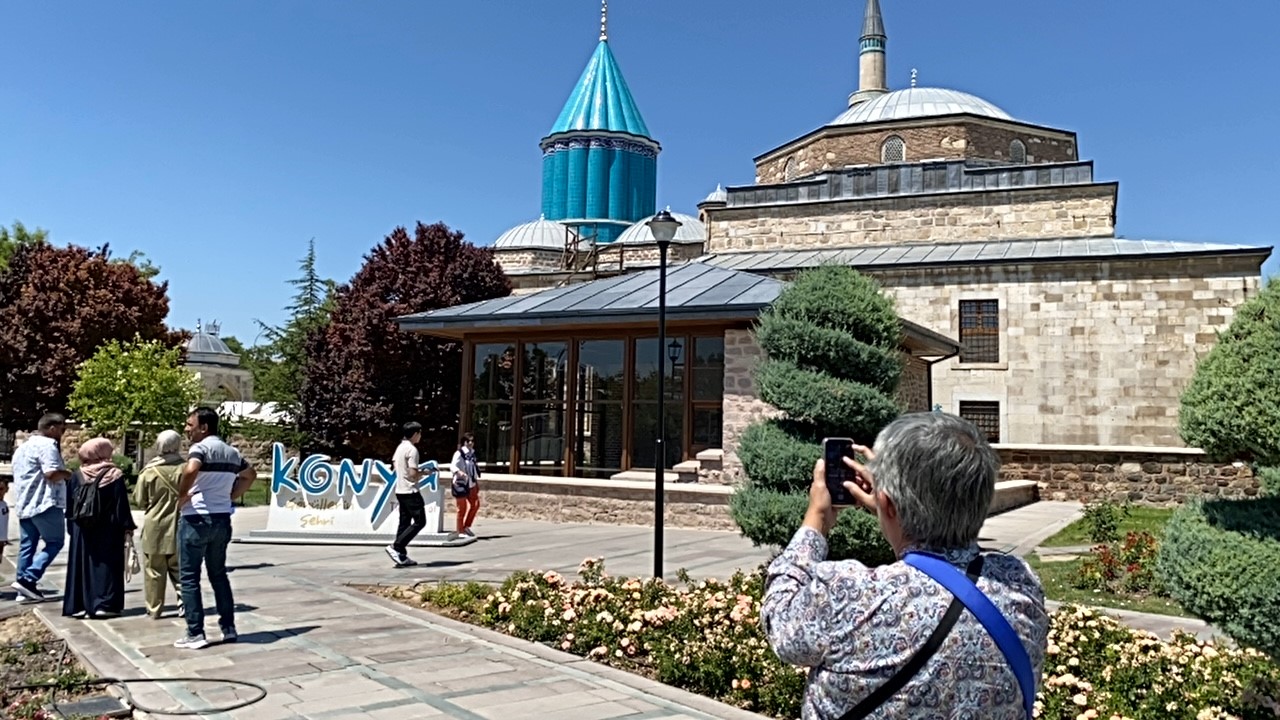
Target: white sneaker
{"points": [[396, 557], [192, 642]]}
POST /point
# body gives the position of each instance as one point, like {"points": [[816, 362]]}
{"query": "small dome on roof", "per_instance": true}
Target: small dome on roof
{"points": [[206, 348], [718, 195], [541, 233], [918, 102], [691, 230]]}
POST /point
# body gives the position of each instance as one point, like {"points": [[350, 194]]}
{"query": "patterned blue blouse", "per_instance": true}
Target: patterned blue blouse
{"points": [[853, 626]]}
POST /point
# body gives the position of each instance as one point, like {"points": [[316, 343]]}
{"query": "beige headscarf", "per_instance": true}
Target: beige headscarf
{"points": [[95, 462]]}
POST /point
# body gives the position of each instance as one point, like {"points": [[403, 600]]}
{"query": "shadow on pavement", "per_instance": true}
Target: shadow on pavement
{"points": [[266, 637]]}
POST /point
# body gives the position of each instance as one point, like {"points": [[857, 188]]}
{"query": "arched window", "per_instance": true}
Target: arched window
{"points": [[1018, 152], [789, 170], [893, 150]]}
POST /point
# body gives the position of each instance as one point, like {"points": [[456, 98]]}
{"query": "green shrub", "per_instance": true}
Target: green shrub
{"points": [[1231, 409], [770, 518], [1269, 481], [1221, 560], [1102, 521], [832, 365]]}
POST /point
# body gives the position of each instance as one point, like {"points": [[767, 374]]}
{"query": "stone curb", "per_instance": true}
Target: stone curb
{"points": [[637, 683]]}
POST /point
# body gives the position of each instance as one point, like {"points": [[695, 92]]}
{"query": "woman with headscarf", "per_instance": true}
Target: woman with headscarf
{"points": [[96, 557], [157, 495]]}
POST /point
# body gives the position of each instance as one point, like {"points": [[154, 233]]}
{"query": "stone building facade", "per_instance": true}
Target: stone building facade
{"points": [[1075, 343], [836, 147]]}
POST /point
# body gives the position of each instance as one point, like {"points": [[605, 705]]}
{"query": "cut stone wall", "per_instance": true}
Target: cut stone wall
{"points": [[742, 404], [951, 140], [1091, 353], [1075, 211], [913, 389], [602, 502], [1146, 476], [647, 254], [256, 451], [529, 259]]}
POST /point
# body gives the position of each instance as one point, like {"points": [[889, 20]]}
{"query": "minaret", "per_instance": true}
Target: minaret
{"points": [[871, 66], [599, 163]]}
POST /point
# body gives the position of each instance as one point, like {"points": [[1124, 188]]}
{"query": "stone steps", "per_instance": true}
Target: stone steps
{"points": [[1012, 494]]}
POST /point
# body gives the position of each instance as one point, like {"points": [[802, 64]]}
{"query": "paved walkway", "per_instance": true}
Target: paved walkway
{"points": [[324, 650]]}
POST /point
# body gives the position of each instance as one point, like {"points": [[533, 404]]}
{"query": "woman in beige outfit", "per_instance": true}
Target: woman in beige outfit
{"points": [[157, 495]]}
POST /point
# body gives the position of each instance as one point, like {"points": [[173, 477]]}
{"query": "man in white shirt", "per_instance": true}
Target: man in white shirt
{"points": [[214, 477], [40, 501], [413, 509]]}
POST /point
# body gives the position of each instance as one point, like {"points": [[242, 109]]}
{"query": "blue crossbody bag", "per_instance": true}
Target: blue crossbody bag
{"points": [[966, 595]]}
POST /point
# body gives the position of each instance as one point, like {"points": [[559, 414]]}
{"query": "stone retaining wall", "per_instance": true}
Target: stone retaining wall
{"points": [[605, 502], [1159, 477]]}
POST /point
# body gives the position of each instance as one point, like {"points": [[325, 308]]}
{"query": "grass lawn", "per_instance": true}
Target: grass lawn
{"points": [[1140, 518], [259, 494], [1056, 577]]}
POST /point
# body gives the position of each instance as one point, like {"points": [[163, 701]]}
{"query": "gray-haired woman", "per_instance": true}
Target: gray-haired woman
{"points": [[157, 495], [895, 641]]}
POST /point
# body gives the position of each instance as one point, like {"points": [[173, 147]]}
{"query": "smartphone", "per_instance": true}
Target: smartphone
{"points": [[834, 451]]}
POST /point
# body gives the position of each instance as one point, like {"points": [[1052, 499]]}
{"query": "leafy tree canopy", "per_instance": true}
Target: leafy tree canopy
{"points": [[140, 384], [1231, 409], [363, 376], [279, 365], [19, 236], [58, 305]]}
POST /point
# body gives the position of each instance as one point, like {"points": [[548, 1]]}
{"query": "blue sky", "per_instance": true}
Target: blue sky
{"points": [[219, 137]]}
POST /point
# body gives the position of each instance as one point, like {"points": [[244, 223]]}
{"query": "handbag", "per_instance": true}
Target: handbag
{"points": [[965, 594], [132, 566]]}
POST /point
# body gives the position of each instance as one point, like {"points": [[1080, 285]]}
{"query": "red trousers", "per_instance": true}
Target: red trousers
{"points": [[468, 507]]}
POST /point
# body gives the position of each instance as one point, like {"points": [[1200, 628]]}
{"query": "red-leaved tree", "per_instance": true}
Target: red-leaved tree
{"points": [[57, 305], [364, 377]]}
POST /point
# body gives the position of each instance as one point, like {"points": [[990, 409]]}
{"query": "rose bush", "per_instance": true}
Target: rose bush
{"points": [[705, 637], [1122, 568]]}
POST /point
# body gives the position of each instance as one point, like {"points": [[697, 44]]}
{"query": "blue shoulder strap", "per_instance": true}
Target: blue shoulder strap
{"points": [[987, 613]]}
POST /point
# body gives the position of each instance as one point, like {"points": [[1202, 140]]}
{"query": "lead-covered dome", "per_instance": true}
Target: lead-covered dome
{"points": [[919, 102], [208, 349], [539, 234], [691, 230]]}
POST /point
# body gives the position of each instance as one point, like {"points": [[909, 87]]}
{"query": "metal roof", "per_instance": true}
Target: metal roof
{"points": [[601, 100], [919, 102], [694, 291], [691, 230], [973, 253], [209, 349]]}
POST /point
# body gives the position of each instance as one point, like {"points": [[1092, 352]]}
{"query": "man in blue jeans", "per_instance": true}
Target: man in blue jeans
{"points": [[40, 502], [214, 476]]}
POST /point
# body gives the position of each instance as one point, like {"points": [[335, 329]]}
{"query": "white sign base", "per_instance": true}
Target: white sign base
{"points": [[320, 502]]}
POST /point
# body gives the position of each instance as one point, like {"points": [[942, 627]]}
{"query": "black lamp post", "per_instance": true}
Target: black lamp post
{"points": [[663, 226]]}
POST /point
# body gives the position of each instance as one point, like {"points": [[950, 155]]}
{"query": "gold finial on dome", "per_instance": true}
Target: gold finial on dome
{"points": [[604, 20]]}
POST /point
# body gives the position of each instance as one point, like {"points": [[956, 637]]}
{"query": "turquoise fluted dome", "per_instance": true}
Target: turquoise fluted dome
{"points": [[599, 164], [601, 100]]}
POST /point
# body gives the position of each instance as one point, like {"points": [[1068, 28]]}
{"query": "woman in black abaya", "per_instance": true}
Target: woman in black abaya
{"points": [[96, 545]]}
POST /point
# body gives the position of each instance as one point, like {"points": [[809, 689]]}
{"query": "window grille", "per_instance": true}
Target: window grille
{"points": [[980, 331], [985, 415], [894, 150]]}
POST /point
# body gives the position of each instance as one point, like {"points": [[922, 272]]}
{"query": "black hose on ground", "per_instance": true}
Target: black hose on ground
{"points": [[123, 685]]}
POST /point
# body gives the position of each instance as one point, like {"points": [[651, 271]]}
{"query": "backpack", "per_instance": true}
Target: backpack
{"points": [[87, 507]]}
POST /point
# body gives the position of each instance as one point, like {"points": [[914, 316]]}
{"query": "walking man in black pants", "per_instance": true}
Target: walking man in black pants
{"points": [[413, 509]]}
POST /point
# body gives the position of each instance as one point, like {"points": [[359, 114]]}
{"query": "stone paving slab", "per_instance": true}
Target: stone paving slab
{"points": [[327, 651]]}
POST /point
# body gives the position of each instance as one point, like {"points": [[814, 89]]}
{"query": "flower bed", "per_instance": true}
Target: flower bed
{"points": [[705, 637]]}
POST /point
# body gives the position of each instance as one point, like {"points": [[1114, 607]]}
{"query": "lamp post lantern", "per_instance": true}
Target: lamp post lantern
{"points": [[663, 226]]}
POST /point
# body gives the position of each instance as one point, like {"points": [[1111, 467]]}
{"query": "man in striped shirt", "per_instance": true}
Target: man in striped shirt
{"points": [[215, 475]]}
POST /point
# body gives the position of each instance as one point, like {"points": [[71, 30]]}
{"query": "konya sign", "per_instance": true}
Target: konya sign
{"points": [[318, 495]]}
